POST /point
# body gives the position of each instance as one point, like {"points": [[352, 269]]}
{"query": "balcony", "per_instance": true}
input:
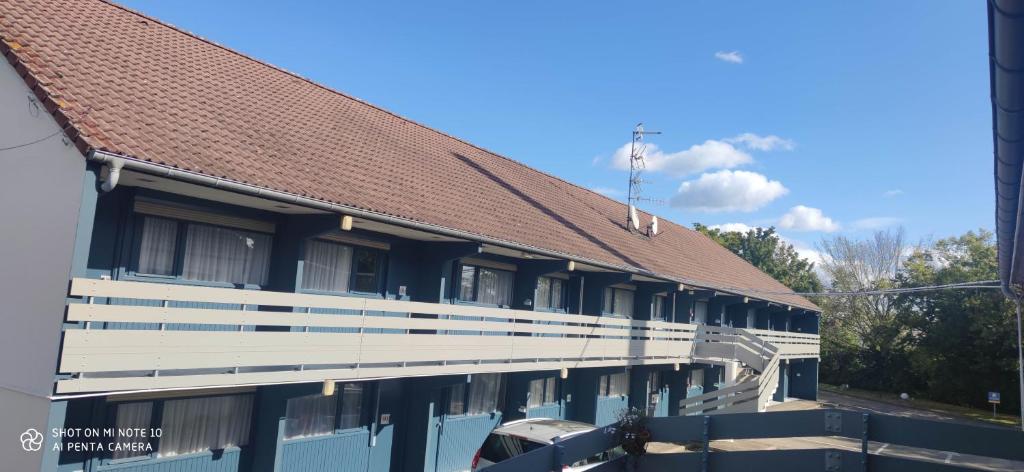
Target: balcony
{"points": [[141, 336]]}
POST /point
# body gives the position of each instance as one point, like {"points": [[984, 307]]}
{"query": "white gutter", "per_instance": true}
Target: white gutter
{"points": [[161, 170]]}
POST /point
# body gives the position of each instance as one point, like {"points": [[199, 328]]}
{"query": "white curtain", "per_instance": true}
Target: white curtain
{"points": [[226, 255], [327, 266], [556, 293], [131, 416], [700, 312], [201, 424], [310, 415], [484, 392], [495, 287], [623, 303], [543, 296], [351, 406], [659, 307], [536, 393], [466, 283], [549, 390], [618, 384], [156, 250]]}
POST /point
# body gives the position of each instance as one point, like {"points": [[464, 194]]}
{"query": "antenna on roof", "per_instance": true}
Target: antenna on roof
{"points": [[636, 167]]}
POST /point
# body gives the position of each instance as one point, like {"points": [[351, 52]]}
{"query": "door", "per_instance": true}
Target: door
{"points": [[657, 395]]}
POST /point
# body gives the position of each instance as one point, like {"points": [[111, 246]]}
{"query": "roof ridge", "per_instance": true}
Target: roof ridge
{"points": [[357, 99]]}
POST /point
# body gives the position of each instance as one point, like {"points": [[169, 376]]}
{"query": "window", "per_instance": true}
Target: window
{"points": [[618, 301], [485, 285], [550, 293], [613, 385], [351, 406], [700, 312], [660, 308], [131, 416], [697, 378], [542, 392], [310, 415], [333, 267], [207, 423], [499, 447], [317, 414], [209, 253], [157, 246], [484, 395]]}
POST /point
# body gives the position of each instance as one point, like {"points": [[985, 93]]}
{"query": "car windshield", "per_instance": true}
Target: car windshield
{"points": [[499, 447]]}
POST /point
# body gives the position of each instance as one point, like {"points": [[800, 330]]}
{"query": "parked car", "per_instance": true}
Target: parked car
{"points": [[521, 436]]}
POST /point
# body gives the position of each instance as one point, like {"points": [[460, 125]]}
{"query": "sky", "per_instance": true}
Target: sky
{"points": [[820, 118]]}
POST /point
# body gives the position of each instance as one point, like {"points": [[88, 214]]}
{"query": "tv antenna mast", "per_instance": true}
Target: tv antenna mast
{"points": [[636, 167]]}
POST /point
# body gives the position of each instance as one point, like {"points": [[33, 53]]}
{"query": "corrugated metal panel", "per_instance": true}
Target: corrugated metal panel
{"points": [[460, 438], [346, 452], [203, 462], [609, 408], [546, 411]]}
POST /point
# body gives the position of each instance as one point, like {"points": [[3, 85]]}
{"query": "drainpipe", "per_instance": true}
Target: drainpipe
{"points": [[112, 174]]}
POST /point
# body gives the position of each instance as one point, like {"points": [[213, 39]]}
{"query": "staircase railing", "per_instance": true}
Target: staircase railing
{"points": [[748, 395]]}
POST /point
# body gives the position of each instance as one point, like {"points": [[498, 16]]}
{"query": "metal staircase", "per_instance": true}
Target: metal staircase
{"points": [[748, 392]]}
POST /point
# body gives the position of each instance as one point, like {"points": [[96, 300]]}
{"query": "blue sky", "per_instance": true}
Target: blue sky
{"points": [[821, 117]]}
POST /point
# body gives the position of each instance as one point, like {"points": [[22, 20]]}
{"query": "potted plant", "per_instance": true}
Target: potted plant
{"points": [[633, 432]]}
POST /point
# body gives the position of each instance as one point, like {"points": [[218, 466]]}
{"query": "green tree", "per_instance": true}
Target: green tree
{"points": [[862, 341], [964, 340], [763, 248]]}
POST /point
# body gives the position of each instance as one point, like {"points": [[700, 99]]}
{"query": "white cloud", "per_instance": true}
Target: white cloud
{"points": [[762, 143], [806, 251], [608, 192], [728, 190], [893, 193], [876, 222], [730, 227], [732, 57], [712, 154], [804, 218]]}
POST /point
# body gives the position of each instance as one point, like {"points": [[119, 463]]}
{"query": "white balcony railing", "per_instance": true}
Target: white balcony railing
{"points": [[274, 337]]}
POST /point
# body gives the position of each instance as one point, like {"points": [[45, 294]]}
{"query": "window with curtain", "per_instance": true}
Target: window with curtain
{"points": [[203, 424], [351, 406], [209, 253], [333, 267], [157, 246], [660, 308], [618, 302], [542, 392], [550, 293], [485, 285], [310, 415], [131, 416], [697, 378], [613, 385], [327, 266], [218, 254], [484, 393]]}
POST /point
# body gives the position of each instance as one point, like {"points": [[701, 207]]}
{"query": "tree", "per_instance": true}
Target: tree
{"points": [[861, 337], [964, 340], [763, 248]]}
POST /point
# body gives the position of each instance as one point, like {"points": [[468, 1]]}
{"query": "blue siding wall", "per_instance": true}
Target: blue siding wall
{"points": [[342, 452], [546, 411], [803, 378], [609, 408], [459, 439], [229, 461], [783, 389]]}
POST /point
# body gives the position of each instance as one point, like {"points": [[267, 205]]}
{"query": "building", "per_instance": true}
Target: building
{"points": [[279, 277]]}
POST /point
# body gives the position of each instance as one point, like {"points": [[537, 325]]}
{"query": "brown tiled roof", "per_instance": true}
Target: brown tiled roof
{"points": [[133, 86]]}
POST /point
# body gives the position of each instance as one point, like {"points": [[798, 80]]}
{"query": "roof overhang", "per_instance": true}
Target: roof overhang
{"points": [[1006, 67]]}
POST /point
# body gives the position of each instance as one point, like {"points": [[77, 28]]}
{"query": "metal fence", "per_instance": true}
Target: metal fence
{"points": [[982, 441]]}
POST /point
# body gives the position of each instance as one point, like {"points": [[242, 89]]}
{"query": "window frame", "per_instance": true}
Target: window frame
{"points": [[339, 405], [665, 307], [615, 290], [563, 308], [381, 266], [457, 285], [545, 389], [605, 385], [131, 269], [466, 388]]}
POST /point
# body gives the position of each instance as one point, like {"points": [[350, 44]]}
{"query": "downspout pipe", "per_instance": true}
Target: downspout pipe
{"points": [[112, 174], [159, 170]]}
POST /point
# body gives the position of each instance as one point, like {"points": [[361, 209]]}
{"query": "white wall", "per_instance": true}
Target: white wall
{"points": [[40, 195]]}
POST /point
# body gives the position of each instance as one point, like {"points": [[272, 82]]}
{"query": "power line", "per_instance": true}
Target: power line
{"points": [[981, 284], [44, 138]]}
